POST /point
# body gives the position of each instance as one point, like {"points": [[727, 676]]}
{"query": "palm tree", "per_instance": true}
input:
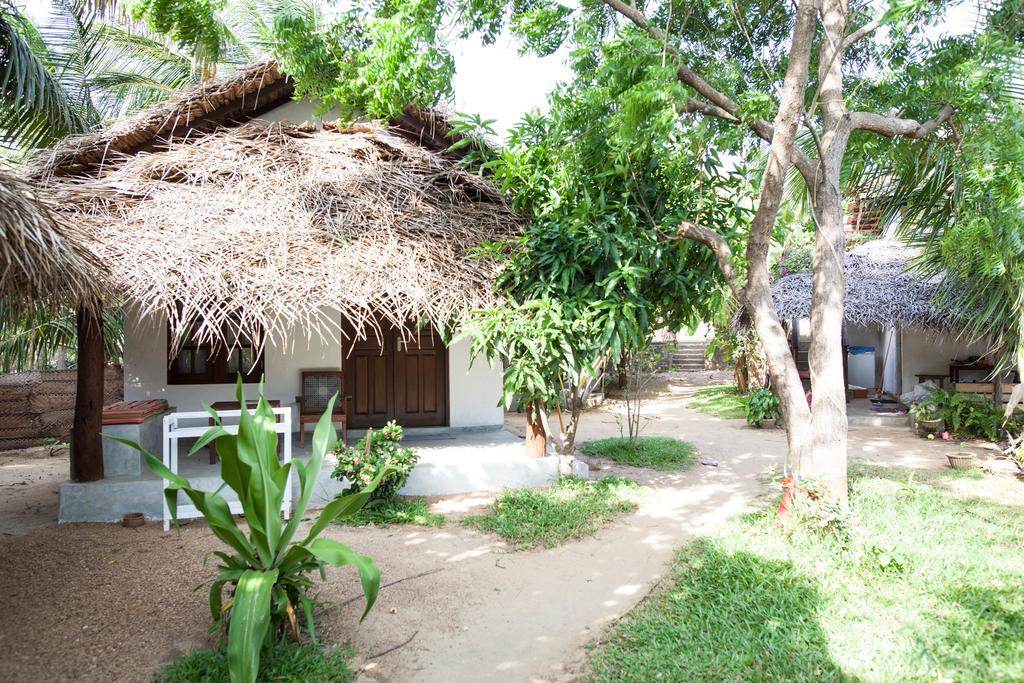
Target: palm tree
{"points": [[77, 71]]}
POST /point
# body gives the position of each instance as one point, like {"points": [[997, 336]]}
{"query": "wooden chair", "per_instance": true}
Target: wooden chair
{"points": [[317, 387]]}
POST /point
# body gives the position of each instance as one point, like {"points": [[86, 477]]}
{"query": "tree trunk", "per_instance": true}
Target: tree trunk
{"points": [[86, 440], [824, 459], [757, 295], [536, 439]]}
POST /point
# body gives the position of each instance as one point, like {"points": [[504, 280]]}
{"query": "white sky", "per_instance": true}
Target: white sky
{"points": [[497, 83]]}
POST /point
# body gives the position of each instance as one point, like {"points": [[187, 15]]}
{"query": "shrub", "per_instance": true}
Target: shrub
{"points": [[361, 465], [967, 414], [266, 570], [761, 405]]}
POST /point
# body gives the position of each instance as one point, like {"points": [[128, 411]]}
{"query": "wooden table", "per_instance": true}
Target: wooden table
{"points": [[923, 377], [955, 367], [235, 405]]}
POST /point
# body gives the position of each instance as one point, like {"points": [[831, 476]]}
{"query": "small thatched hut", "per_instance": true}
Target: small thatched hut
{"points": [[888, 308], [243, 233]]}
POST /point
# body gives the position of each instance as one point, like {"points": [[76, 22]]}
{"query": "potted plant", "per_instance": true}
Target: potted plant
{"points": [[927, 419], [961, 459]]}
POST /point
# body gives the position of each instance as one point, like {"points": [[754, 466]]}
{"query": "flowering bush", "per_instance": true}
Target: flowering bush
{"points": [[359, 465]]}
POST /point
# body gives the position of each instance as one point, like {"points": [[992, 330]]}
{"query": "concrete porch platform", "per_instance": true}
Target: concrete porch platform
{"points": [[451, 462], [860, 414]]}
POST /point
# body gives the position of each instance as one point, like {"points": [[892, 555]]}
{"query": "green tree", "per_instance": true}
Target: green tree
{"points": [[599, 268], [756, 74]]}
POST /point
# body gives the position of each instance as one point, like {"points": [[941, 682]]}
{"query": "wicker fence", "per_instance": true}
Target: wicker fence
{"points": [[36, 405]]}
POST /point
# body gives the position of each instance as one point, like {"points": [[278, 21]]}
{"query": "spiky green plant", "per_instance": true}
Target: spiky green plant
{"points": [[265, 569]]}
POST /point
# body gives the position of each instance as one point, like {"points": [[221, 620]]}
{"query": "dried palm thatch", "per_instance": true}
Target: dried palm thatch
{"points": [[266, 228], [200, 109], [881, 289], [42, 258]]}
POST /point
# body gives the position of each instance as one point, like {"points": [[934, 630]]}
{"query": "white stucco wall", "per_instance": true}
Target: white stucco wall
{"points": [[474, 392], [921, 351], [298, 111], [924, 351]]}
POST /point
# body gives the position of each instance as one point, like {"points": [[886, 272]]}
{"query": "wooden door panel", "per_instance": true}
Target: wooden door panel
{"points": [[368, 378], [421, 377]]}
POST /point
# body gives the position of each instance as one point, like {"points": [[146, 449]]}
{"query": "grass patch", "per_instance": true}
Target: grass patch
{"points": [[292, 663], [914, 584], [570, 509], [722, 401], [395, 511], [656, 452]]}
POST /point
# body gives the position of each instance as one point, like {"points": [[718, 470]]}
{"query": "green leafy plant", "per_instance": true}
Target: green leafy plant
{"points": [[925, 411], [966, 414], [549, 517], [761, 405], [266, 570], [292, 662], [376, 453], [656, 452]]}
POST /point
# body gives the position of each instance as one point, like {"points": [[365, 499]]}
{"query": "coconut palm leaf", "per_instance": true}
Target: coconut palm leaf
{"points": [[37, 109], [34, 337]]}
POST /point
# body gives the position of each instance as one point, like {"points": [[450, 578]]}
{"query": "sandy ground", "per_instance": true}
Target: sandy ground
{"points": [[29, 480], [105, 603]]}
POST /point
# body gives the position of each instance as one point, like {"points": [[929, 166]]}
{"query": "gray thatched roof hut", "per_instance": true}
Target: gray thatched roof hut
{"points": [[224, 222], [43, 260], [881, 290]]}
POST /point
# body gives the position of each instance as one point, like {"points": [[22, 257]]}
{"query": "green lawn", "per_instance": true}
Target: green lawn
{"points": [[915, 585], [288, 663], [722, 401], [549, 517], [395, 511], [656, 452]]}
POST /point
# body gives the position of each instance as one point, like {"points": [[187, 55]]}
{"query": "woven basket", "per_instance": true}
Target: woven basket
{"points": [[961, 460]]}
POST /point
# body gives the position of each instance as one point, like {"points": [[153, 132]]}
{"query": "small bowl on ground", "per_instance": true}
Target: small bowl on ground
{"points": [[962, 460], [133, 519]]}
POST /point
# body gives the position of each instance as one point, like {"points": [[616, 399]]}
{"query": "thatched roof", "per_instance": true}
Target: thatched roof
{"points": [[42, 260], [277, 226], [881, 289], [209, 106], [203, 108]]}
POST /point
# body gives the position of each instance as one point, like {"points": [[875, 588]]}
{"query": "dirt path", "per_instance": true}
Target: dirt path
{"points": [[97, 602]]}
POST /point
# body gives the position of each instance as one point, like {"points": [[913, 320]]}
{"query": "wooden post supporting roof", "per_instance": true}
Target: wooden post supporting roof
{"points": [[87, 443]]}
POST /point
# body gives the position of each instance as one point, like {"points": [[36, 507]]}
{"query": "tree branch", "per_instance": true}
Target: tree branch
{"points": [[890, 126], [718, 246], [724, 107], [695, 106], [863, 31]]}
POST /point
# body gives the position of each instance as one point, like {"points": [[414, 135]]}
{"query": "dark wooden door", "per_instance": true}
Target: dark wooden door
{"points": [[391, 378], [421, 380], [367, 380]]}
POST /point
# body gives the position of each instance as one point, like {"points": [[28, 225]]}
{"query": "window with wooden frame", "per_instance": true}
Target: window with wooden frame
{"points": [[205, 363]]}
